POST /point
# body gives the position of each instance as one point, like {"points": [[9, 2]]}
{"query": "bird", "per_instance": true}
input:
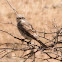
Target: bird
{"points": [[26, 29]]}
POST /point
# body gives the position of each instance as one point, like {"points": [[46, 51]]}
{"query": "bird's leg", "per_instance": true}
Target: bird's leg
{"points": [[29, 42], [24, 40]]}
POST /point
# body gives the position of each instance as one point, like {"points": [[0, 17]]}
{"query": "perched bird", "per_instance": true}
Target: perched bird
{"points": [[26, 29]]}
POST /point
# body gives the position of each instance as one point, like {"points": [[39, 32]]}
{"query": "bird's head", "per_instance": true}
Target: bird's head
{"points": [[19, 17]]}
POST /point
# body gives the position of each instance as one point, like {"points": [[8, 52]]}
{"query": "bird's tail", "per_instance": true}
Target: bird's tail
{"points": [[41, 43]]}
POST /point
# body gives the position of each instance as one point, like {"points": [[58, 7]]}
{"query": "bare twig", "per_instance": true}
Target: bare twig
{"points": [[12, 7]]}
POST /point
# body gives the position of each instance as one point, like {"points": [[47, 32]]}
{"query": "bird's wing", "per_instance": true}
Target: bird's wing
{"points": [[28, 27]]}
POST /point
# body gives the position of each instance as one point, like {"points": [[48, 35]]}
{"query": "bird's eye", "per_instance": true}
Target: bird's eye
{"points": [[18, 18]]}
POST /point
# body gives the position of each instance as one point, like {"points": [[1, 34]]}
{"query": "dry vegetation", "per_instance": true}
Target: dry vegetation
{"points": [[42, 14]]}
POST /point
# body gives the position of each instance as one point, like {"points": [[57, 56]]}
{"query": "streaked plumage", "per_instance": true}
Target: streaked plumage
{"points": [[27, 30]]}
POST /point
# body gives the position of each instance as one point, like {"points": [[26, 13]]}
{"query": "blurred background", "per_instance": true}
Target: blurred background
{"points": [[42, 14]]}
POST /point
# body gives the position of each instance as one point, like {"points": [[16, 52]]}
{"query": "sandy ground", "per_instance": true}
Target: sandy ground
{"points": [[40, 13]]}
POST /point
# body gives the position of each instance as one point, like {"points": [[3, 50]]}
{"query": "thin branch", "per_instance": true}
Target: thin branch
{"points": [[6, 54], [8, 23], [13, 36], [12, 7]]}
